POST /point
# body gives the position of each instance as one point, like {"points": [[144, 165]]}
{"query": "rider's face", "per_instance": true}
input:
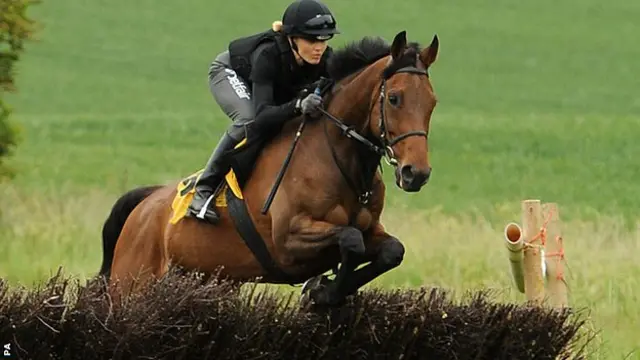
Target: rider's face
{"points": [[310, 50]]}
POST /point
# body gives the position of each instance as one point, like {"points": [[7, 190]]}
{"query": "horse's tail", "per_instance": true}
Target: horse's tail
{"points": [[115, 222]]}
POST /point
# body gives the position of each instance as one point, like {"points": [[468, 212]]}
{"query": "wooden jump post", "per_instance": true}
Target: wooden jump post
{"points": [[536, 254]]}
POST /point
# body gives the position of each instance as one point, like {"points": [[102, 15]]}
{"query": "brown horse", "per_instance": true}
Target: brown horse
{"points": [[327, 209]]}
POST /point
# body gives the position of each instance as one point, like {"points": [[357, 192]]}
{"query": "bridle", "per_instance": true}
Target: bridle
{"points": [[382, 150], [382, 123]]}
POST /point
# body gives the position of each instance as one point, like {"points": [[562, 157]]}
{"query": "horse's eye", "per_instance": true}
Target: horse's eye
{"points": [[394, 100]]}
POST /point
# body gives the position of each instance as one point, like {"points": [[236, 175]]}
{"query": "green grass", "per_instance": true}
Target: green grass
{"points": [[537, 100]]}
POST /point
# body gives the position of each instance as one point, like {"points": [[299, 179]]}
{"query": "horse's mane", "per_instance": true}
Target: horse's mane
{"points": [[361, 53]]}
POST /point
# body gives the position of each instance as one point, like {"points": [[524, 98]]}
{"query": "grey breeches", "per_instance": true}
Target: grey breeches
{"points": [[232, 94]]}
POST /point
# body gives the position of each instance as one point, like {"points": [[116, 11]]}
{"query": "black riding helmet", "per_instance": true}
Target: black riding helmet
{"points": [[310, 19]]}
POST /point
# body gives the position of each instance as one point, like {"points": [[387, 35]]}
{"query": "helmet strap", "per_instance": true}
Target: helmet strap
{"points": [[294, 47]]}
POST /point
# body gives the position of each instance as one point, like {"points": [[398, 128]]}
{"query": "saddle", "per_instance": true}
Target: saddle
{"points": [[241, 158]]}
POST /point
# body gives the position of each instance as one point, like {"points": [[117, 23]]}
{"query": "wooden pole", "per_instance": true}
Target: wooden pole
{"points": [[533, 273], [515, 248], [554, 259]]}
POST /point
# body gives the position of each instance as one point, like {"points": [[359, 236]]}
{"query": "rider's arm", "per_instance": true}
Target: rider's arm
{"points": [[267, 114]]}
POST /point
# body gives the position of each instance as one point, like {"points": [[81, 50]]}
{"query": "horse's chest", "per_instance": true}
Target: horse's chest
{"points": [[361, 218], [364, 219]]}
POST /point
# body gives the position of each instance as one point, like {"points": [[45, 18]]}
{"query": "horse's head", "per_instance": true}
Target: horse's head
{"points": [[404, 106]]}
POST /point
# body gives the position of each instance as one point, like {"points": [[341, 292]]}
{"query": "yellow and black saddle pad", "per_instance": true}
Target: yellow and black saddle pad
{"points": [[187, 188]]}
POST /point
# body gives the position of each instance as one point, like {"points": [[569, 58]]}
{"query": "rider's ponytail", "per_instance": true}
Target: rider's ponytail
{"points": [[276, 26]]}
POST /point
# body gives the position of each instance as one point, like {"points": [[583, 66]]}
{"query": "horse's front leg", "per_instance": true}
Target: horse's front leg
{"points": [[352, 252], [308, 233], [385, 252]]}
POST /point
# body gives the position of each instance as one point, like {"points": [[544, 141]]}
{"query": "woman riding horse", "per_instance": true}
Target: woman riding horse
{"points": [[327, 211], [272, 67]]}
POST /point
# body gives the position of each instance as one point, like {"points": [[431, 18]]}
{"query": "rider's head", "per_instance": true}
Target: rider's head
{"points": [[308, 24]]}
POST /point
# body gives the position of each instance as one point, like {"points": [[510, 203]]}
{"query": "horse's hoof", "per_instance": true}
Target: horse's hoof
{"points": [[311, 288], [305, 302], [312, 283]]}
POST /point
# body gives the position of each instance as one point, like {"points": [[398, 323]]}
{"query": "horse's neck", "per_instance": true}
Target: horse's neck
{"points": [[352, 101], [351, 104]]}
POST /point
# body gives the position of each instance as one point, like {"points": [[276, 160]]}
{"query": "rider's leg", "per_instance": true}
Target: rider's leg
{"points": [[232, 94], [203, 203]]}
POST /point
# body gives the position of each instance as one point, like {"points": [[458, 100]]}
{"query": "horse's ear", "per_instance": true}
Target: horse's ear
{"points": [[429, 54], [399, 44]]}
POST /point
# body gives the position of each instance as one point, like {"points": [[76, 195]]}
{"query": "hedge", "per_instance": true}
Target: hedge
{"points": [[180, 317]]}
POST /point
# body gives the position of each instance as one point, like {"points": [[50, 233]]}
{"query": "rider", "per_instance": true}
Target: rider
{"points": [[271, 67]]}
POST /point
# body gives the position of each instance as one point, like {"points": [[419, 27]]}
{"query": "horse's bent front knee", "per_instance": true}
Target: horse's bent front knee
{"points": [[391, 253]]}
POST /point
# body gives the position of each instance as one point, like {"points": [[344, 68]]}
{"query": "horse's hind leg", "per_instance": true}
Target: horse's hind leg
{"points": [[138, 258]]}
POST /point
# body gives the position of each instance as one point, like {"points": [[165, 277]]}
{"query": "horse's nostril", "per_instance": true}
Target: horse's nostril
{"points": [[407, 173]]}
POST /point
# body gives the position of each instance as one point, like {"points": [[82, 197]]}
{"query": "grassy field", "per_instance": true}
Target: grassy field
{"points": [[537, 100]]}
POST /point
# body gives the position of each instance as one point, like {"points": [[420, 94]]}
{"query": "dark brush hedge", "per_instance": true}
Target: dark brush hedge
{"points": [[182, 318]]}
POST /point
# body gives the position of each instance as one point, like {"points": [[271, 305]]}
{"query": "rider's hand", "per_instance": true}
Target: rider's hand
{"points": [[309, 104]]}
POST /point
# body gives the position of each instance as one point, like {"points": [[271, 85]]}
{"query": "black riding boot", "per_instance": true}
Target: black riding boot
{"points": [[201, 206]]}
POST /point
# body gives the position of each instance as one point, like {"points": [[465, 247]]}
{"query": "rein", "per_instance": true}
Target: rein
{"points": [[384, 150]]}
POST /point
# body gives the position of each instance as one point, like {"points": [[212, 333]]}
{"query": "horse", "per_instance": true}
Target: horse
{"points": [[326, 212]]}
